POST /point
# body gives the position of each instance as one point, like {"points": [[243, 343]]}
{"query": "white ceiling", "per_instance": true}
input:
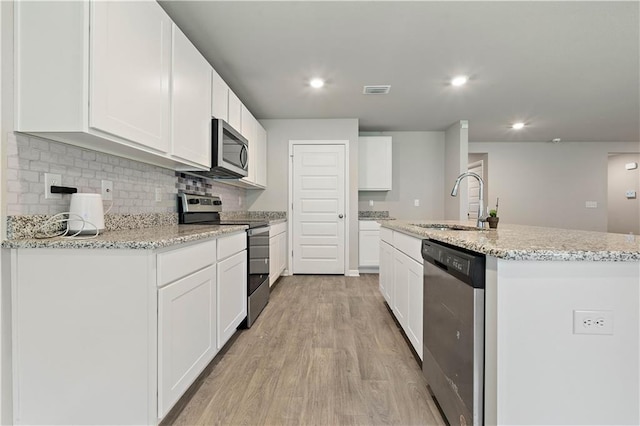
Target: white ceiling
{"points": [[568, 69]]}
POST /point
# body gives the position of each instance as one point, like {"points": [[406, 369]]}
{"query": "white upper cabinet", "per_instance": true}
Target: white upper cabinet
{"points": [[98, 75], [374, 163], [249, 124], [191, 100], [261, 163], [219, 98], [130, 45], [235, 111]]}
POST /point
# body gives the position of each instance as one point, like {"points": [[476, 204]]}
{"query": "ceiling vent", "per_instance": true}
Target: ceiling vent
{"points": [[376, 90]]}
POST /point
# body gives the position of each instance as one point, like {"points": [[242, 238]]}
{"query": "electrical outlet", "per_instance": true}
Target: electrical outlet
{"points": [[52, 179], [630, 194], [107, 190], [591, 204], [370, 203], [416, 202], [592, 322], [158, 194]]}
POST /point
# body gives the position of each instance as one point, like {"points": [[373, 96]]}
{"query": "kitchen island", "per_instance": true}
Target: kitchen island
{"points": [[539, 368]]}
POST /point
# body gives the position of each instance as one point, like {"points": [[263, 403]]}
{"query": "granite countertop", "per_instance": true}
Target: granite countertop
{"points": [[520, 242], [140, 239]]}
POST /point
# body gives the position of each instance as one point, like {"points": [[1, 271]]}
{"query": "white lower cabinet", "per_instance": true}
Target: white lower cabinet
{"points": [[369, 243], [401, 283], [386, 272], [116, 336], [232, 293], [186, 334], [277, 251]]}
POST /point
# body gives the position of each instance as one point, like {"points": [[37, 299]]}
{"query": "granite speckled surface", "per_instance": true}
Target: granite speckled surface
{"points": [[243, 214], [137, 239], [26, 226], [372, 215], [520, 242]]}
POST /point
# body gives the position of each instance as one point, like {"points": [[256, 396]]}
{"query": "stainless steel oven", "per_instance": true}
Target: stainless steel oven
{"points": [[202, 210]]}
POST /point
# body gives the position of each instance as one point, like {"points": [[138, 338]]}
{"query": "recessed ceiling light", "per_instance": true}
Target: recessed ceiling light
{"points": [[316, 83], [459, 80], [517, 126]]}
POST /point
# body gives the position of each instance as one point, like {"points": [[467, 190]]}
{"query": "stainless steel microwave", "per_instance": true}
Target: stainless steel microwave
{"points": [[230, 157]]}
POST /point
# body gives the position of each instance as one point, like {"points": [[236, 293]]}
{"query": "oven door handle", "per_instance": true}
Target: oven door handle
{"points": [[256, 231]]}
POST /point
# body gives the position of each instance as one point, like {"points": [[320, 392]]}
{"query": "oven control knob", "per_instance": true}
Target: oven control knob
{"points": [[340, 216]]}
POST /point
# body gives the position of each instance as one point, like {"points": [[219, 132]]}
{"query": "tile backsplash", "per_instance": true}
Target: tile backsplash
{"points": [[134, 183]]}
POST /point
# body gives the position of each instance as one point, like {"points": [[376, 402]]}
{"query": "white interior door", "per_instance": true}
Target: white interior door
{"points": [[474, 189], [318, 191]]}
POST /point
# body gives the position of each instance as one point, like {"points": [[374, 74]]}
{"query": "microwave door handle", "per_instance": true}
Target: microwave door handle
{"points": [[243, 156]]}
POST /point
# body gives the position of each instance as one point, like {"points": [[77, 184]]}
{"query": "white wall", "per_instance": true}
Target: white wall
{"points": [[418, 173], [623, 213], [279, 133], [545, 184], [456, 150]]}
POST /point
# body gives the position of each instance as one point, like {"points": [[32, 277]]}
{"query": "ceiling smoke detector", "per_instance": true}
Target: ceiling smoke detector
{"points": [[376, 90], [556, 140]]}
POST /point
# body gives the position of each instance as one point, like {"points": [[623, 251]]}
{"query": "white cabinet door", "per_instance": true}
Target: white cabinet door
{"points": [[234, 111], [219, 98], [282, 256], [369, 251], [232, 295], [374, 163], [249, 124], [130, 64], [414, 318], [386, 272], [186, 334], [274, 258], [191, 102], [261, 161], [401, 287]]}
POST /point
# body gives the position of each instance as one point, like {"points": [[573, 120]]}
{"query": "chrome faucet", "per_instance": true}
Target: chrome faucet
{"points": [[454, 192]]}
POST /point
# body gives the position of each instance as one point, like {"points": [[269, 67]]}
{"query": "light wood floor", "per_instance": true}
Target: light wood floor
{"points": [[325, 351]]}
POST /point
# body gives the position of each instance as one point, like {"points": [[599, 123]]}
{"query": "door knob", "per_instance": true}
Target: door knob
{"points": [[340, 216]]}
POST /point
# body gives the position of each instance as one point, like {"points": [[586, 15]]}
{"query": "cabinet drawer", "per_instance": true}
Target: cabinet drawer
{"points": [[410, 246], [231, 245], [181, 262], [368, 225], [277, 229], [386, 235]]}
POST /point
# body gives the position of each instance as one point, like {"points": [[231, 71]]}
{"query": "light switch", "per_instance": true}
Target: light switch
{"points": [[416, 202], [630, 194], [591, 204]]}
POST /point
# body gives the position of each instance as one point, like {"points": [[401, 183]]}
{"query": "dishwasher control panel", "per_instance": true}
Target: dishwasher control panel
{"points": [[466, 265]]}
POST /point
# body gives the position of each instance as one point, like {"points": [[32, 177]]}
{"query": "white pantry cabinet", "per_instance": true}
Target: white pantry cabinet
{"points": [[369, 244], [401, 282], [191, 101], [115, 336], [277, 251], [374, 163], [98, 75]]}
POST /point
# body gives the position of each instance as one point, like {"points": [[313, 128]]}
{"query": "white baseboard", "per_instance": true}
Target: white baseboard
{"points": [[369, 270]]}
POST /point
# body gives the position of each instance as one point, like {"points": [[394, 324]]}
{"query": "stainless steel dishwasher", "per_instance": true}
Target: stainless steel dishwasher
{"points": [[453, 358]]}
